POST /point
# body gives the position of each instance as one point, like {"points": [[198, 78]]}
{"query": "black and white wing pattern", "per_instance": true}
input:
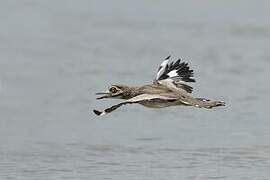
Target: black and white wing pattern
{"points": [[177, 73], [137, 99]]}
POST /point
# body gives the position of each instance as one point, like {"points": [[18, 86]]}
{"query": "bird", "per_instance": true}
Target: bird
{"points": [[171, 87]]}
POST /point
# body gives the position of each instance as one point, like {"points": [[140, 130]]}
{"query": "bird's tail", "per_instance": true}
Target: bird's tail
{"points": [[206, 103]]}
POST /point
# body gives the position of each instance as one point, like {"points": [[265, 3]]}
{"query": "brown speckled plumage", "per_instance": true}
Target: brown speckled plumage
{"points": [[169, 89]]}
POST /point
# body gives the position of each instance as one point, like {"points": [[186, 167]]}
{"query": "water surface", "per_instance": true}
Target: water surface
{"points": [[54, 55]]}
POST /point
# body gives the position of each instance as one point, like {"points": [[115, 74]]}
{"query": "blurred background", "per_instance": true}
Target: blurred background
{"points": [[54, 55]]}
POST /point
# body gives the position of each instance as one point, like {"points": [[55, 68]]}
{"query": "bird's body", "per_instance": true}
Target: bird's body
{"points": [[168, 89]]}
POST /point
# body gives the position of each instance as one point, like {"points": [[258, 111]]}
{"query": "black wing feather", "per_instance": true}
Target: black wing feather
{"points": [[184, 73]]}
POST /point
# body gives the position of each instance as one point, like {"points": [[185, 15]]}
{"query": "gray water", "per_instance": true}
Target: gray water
{"points": [[54, 55]]}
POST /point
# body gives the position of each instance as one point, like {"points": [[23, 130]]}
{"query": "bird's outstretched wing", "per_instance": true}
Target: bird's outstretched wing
{"points": [[137, 99], [175, 74]]}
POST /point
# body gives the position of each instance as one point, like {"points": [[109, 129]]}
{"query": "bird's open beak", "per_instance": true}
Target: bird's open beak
{"points": [[105, 95]]}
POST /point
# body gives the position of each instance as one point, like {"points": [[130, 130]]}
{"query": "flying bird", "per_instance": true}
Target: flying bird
{"points": [[169, 88]]}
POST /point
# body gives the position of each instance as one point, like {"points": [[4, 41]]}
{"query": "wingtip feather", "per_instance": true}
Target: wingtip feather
{"points": [[168, 57], [98, 113]]}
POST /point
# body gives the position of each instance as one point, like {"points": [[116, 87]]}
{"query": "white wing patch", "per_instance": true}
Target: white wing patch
{"points": [[144, 97], [162, 67], [172, 74]]}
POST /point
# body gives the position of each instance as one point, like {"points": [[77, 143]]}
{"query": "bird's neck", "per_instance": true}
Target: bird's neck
{"points": [[131, 92]]}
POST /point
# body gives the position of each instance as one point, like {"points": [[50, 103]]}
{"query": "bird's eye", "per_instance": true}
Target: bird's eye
{"points": [[113, 90]]}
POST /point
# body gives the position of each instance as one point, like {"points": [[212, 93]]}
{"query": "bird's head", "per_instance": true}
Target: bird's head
{"points": [[116, 91]]}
